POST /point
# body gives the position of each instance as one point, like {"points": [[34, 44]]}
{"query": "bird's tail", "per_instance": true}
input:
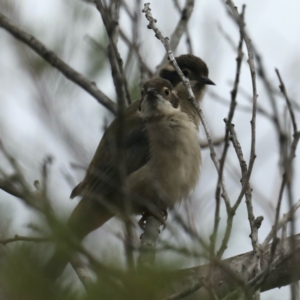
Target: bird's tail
{"points": [[87, 216]]}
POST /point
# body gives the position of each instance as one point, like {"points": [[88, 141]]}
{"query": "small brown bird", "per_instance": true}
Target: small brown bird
{"points": [[172, 170], [100, 187]]}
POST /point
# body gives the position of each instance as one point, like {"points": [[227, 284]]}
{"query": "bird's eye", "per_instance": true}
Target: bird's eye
{"points": [[185, 72], [166, 91]]}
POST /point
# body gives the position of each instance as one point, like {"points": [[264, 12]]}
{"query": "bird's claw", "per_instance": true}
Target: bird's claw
{"points": [[161, 216]]}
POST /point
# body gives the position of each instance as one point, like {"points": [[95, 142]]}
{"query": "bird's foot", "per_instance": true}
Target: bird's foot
{"points": [[162, 216]]}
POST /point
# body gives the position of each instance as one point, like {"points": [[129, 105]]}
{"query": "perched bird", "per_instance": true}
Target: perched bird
{"points": [[195, 69], [172, 170], [101, 186], [103, 172]]}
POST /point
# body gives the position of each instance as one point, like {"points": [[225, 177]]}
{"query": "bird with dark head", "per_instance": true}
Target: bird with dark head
{"points": [[195, 69], [100, 187]]}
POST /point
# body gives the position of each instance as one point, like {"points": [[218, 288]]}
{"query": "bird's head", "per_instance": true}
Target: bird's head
{"points": [[158, 98], [193, 67]]}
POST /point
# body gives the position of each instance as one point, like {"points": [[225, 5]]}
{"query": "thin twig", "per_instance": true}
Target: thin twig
{"points": [[246, 178], [81, 272], [179, 30], [233, 103], [286, 218], [255, 223], [111, 25], [19, 238], [248, 193], [165, 42], [288, 102], [45, 172], [248, 43], [136, 49], [240, 107], [115, 59], [216, 142]]}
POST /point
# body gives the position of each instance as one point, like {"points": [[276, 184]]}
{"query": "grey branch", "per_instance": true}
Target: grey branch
{"points": [[287, 217], [241, 24], [233, 103], [148, 242], [288, 102], [227, 275], [57, 63], [180, 29], [111, 24]]}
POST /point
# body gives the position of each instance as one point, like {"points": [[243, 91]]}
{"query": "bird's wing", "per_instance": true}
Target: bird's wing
{"points": [[103, 174]]}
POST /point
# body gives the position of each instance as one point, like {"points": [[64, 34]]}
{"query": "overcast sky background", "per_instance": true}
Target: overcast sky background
{"points": [[44, 114]]}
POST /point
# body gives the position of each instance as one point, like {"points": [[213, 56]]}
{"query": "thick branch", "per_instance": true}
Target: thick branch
{"points": [[148, 242], [180, 29], [227, 274]]}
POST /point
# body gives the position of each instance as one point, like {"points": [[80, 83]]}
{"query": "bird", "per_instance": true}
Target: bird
{"points": [[103, 171], [196, 70], [173, 168], [100, 187]]}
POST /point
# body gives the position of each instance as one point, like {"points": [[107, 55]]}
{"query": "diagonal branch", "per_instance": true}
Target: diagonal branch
{"points": [[180, 29], [57, 63], [186, 82], [111, 25]]}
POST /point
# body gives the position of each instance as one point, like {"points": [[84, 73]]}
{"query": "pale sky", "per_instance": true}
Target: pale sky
{"points": [[31, 132]]}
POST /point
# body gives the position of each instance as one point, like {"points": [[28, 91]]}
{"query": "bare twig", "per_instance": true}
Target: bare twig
{"points": [[19, 238], [120, 82], [135, 47], [246, 189], [45, 170], [56, 62], [288, 102], [165, 42], [180, 29], [81, 272], [216, 142], [286, 218], [248, 43], [248, 194], [233, 103], [111, 24], [240, 107], [287, 166], [270, 92]]}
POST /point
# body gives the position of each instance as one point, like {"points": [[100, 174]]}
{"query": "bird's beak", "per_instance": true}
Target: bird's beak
{"points": [[152, 91], [206, 80]]}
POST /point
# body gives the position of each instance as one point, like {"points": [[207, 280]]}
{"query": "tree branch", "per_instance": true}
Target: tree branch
{"points": [[227, 274], [57, 63], [148, 242]]}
